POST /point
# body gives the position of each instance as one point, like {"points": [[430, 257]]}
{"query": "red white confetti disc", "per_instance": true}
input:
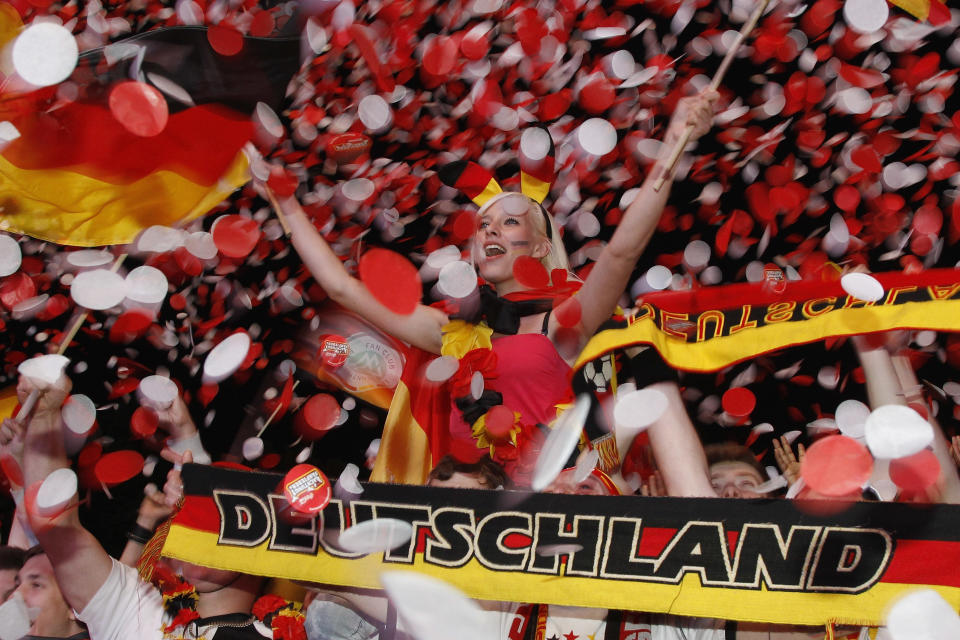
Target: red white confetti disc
{"points": [[836, 466], [225, 358], [56, 492], [379, 534], [391, 279], [118, 467], [318, 415], [916, 472], [236, 236], [78, 414], [144, 422], [10, 255], [159, 391], [638, 409], [45, 54], [99, 289], [140, 108], [307, 489], [46, 368], [739, 402], [895, 431], [457, 279], [862, 286], [560, 443], [147, 285], [922, 614]]}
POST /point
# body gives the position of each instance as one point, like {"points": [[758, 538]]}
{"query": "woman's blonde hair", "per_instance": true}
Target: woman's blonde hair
{"points": [[556, 258]]}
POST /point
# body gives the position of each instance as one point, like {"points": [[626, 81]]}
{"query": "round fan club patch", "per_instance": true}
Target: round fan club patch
{"points": [[306, 488], [334, 350]]}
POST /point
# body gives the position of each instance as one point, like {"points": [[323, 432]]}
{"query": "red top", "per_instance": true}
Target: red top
{"points": [[533, 378]]}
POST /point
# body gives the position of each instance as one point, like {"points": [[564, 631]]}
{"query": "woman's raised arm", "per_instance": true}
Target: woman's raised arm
{"points": [[421, 328], [611, 273]]}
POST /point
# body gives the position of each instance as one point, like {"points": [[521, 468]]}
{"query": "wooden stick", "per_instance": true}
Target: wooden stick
{"points": [[275, 411], [281, 216], [714, 84]]}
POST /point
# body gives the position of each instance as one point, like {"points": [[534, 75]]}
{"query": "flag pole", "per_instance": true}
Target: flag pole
{"points": [[714, 84]]}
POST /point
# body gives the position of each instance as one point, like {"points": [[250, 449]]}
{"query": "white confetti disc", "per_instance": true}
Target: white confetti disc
{"points": [[268, 120], [159, 391], [923, 615], [896, 431], [433, 610], [854, 100], [98, 289], [535, 143], [457, 279], [476, 385], [639, 409], [375, 113], [349, 404], [201, 245], [866, 16], [225, 358], [442, 369], [10, 255], [379, 534], [56, 492], [558, 549], [45, 54], [515, 204], [358, 189], [560, 443], [159, 239], [29, 307], [711, 275], [252, 448], [146, 284], [862, 286], [89, 258], [348, 482], [597, 137], [46, 368], [696, 255], [304, 454], [851, 418], [78, 413], [586, 463]]}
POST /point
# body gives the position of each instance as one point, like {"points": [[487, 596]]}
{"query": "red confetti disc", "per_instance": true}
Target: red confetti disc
{"points": [[262, 24], [440, 56], [236, 236], [144, 422], [597, 97], [568, 312], [916, 472], [123, 387], [141, 109], [836, 466], [334, 350], [306, 488], [16, 288], [847, 197], [530, 272], [739, 402], [118, 467], [318, 415], [391, 279], [499, 421], [225, 40]]}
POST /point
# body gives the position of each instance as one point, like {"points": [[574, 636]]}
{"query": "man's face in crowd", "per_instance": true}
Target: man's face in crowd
{"points": [[734, 479], [566, 483], [459, 480], [40, 592]]}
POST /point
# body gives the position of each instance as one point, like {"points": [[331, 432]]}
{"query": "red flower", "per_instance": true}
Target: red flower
{"points": [[482, 360], [288, 625], [182, 619], [268, 605]]}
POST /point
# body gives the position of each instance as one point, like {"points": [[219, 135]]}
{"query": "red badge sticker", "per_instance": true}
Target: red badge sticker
{"points": [[347, 147], [306, 488], [334, 350]]}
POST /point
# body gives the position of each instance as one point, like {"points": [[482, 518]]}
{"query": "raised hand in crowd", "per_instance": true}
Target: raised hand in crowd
{"points": [[788, 462], [653, 486]]}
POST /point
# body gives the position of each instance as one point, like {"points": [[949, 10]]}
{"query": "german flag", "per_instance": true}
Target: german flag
{"points": [[77, 176], [474, 181]]}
